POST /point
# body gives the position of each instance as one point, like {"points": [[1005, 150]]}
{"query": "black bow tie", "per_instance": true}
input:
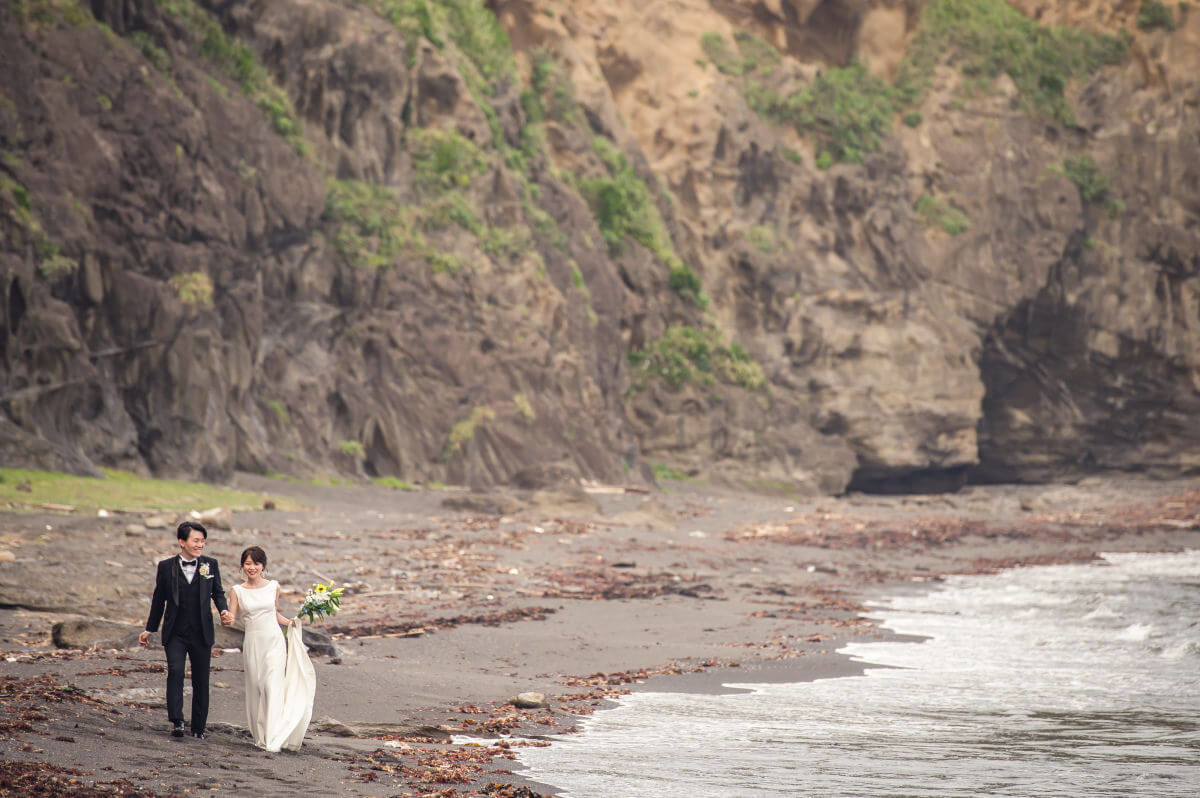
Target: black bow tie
{"points": [[186, 563]]}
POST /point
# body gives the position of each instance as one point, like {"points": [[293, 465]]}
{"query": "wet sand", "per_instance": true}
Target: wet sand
{"points": [[451, 613]]}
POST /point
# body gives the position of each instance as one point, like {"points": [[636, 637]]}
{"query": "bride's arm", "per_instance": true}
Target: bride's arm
{"points": [[282, 619], [233, 608]]}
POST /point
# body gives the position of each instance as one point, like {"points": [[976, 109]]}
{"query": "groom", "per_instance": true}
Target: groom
{"points": [[184, 587]]}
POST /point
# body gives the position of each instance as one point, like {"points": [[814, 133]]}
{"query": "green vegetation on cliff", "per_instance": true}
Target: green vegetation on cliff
{"points": [[1154, 14], [936, 212], [464, 431], [845, 111], [1095, 187], [237, 61], [51, 262], [685, 355], [624, 208], [987, 38]]}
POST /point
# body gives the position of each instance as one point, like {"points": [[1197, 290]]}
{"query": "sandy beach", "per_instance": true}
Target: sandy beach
{"points": [[457, 602]]}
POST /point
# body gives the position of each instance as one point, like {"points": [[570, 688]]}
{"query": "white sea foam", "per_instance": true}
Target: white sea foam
{"points": [[1023, 687]]}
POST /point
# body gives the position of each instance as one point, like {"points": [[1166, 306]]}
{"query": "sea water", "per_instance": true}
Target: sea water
{"points": [[1074, 680]]}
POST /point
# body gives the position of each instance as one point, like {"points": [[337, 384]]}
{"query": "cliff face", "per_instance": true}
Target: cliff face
{"points": [[507, 244]]}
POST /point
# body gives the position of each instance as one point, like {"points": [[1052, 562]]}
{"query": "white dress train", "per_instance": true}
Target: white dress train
{"points": [[280, 681]]}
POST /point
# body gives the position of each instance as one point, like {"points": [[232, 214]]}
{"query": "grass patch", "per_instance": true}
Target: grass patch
{"points": [[524, 407], [45, 14], [392, 483], [845, 112], [352, 449], [371, 229], [281, 412], [663, 471], [57, 265], [936, 212], [686, 355], [762, 238], [124, 491], [464, 430], [444, 159], [752, 53], [193, 288]]}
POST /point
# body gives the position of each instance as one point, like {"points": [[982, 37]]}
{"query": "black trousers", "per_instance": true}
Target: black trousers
{"points": [[179, 649]]}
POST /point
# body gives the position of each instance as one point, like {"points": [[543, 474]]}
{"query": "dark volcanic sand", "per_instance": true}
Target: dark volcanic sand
{"points": [[450, 611]]}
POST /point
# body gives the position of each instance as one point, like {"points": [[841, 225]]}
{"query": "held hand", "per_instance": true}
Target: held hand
{"points": [[144, 639], [226, 618]]}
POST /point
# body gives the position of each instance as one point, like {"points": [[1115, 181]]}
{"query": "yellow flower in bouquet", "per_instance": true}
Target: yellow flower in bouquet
{"points": [[321, 601]]}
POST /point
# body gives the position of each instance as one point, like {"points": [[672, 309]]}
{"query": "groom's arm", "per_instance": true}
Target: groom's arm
{"points": [[218, 593], [157, 603]]}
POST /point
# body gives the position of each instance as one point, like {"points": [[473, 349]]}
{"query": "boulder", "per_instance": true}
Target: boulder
{"points": [[484, 503], [650, 514], [217, 517], [529, 701], [332, 726], [94, 633]]}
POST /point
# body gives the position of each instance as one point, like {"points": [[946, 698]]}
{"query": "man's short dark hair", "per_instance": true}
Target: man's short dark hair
{"points": [[185, 530]]}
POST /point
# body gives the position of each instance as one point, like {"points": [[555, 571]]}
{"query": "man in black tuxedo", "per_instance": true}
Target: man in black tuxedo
{"points": [[183, 588]]}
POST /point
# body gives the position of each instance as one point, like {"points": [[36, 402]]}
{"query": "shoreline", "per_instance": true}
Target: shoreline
{"points": [[452, 612]]}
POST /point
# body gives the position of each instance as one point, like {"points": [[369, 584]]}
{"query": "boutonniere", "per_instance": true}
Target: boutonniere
{"points": [[204, 571]]}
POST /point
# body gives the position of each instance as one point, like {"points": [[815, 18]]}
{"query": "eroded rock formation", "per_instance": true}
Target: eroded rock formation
{"points": [[311, 236]]}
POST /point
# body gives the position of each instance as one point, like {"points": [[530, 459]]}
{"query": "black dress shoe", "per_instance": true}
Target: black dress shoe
{"points": [[177, 730], [199, 735]]}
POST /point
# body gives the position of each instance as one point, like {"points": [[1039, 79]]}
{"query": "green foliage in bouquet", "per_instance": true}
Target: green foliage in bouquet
{"points": [[321, 601]]}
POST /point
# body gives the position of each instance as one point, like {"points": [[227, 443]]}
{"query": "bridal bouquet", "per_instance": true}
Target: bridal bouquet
{"points": [[321, 600]]}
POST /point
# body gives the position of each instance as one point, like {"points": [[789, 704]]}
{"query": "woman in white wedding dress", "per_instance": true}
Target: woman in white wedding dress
{"points": [[280, 682]]}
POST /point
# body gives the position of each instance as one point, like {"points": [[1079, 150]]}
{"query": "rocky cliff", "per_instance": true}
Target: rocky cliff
{"points": [[785, 244]]}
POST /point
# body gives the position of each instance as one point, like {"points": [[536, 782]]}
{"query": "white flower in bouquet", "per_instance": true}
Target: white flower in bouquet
{"points": [[321, 601]]}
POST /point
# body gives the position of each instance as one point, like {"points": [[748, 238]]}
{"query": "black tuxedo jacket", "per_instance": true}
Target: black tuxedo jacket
{"points": [[164, 606]]}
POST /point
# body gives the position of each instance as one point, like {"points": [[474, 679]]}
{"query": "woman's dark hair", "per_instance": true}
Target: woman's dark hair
{"points": [[184, 531], [256, 554]]}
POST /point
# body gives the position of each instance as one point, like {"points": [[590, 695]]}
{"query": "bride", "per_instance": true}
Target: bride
{"points": [[280, 682]]}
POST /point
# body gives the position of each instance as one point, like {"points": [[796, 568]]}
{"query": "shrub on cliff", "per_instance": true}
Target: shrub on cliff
{"points": [[684, 354], [623, 208], [1154, 14], [990, 37]]}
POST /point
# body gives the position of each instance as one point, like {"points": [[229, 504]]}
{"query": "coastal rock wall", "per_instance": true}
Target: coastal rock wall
{"points": [[314, 237]]}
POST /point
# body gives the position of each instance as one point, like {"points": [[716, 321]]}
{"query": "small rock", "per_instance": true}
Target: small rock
{"points": [[132, 530], [268, 504], [157, 522], [7, 556], [114, 564], [528, 701], [1031, 504]]}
